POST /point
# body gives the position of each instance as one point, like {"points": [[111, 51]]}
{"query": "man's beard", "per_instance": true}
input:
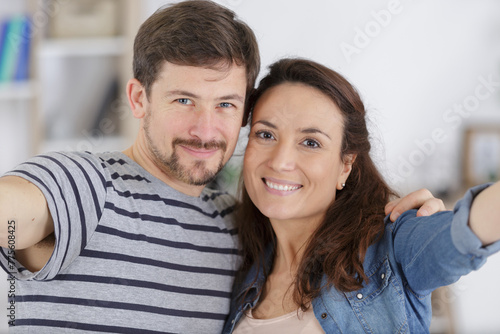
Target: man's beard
{"points": [[198, 174]]}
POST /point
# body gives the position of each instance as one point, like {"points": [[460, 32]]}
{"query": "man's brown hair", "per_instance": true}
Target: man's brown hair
{"points": [[194, 33]]}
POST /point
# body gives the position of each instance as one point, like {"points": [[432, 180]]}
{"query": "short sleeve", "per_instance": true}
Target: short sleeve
{"points": [[74, 185]]}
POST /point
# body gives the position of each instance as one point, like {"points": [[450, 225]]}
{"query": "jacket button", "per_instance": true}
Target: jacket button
{"points": [[323, 316], [382, 276], [359, 296]]}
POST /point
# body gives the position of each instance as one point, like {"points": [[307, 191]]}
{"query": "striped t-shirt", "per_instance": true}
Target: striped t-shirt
{"points": [[132, 255]]}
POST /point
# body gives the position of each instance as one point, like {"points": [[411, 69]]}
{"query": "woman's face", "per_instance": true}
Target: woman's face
{"points": [[292, 164]]}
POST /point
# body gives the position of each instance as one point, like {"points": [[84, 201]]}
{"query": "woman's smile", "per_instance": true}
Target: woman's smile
{"points": [[280, 187]]}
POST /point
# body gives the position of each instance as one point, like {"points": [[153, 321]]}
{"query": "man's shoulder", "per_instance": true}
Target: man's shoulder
{"points": [[57, 162], [63, 156]]}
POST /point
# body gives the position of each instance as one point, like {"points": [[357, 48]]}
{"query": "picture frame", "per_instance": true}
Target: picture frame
{"points": [[481, 163], [85, 19]]}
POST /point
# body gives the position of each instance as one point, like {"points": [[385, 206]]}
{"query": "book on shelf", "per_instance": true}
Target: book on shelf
{"points": [[15, 47]]}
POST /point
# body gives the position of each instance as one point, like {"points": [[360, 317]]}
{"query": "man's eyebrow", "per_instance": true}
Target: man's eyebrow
{"points": [[314, 130], [236, 97], [189, 94], [182, 92]]}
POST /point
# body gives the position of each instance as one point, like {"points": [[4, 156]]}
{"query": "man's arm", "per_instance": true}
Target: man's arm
{"points": [[484, 219], [24, 215]]}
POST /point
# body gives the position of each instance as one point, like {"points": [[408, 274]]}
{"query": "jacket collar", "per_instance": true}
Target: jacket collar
{"points": [[255, 285]]}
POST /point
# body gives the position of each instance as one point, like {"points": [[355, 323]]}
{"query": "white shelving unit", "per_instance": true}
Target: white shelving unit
{"points": [[23, 90], [77, 75], [22, 130], [83, 47], [23, 114], [81, 74], [17, 106]]}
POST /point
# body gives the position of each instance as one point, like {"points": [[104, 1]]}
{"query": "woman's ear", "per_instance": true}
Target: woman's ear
{"points": [[137, 98], [347, 161]]}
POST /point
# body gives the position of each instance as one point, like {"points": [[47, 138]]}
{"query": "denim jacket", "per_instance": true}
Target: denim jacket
{"points": [[415, 256]]}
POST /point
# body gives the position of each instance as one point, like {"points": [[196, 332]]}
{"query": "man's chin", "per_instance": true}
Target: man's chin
{"points": [[200, 179], [200, 175]]}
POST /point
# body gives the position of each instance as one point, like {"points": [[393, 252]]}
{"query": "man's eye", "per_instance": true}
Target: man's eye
{"points": [[225, 105], [184, 101]]}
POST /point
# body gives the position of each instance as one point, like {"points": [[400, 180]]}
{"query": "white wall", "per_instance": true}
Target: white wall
{"points": [[413, 67], [426, 58], [476, 300]]}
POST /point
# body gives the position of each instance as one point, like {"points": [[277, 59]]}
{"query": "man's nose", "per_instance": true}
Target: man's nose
{"points": [[204, 124]]}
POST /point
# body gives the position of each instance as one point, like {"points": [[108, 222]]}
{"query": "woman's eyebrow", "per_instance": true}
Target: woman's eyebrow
{"points": [[314, 130], [304, 130], [266, 123]]}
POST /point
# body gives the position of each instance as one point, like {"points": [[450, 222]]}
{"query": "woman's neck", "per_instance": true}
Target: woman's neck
{"points": [[292, 238], [277, 297]]}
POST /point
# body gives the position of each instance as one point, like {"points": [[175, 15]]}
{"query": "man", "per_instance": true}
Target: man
{"points": [[140, 245]]}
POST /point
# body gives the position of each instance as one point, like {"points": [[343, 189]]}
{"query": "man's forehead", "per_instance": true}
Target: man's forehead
{"points": [[222, 68], [187, 76]]}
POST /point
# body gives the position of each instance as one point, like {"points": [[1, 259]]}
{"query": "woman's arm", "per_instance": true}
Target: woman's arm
{"points": [[484, 218], [439, 249]]}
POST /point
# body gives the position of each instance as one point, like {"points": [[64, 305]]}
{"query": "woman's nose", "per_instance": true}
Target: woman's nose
{"points": [[283, 157]]}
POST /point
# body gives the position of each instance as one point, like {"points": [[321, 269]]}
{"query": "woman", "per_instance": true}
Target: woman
{"points": [[318, 254]]}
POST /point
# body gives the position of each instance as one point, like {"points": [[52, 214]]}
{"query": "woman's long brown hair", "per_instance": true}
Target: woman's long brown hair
{"points": [[354, 220]]}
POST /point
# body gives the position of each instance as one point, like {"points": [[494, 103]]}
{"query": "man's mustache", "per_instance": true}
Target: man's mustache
{"points": [[196, 143]]}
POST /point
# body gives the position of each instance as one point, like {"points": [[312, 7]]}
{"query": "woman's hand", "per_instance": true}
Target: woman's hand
{"points": [[421, 199]]}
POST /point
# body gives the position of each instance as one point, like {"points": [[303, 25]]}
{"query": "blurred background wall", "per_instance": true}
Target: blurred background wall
{"points": [[428, 71]]}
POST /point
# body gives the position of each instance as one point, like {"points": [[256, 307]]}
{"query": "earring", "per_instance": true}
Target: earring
{"points": [[343, 185]]}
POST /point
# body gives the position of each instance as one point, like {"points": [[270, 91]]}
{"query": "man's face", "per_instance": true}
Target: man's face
{"points": [[192, 122]]}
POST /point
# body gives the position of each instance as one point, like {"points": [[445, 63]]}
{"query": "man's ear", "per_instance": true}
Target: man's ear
{"points": [[137, 98], [348, 161]]}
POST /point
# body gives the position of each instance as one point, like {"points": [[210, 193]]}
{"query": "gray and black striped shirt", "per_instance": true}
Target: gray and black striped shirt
{"points": [[132, 255]]}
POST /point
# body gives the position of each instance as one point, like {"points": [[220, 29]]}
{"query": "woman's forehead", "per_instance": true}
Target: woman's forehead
{"points": [[297, 103]]}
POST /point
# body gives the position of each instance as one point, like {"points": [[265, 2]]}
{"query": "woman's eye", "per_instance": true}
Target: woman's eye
{"points": [[264, 135], [311, 143], [184, 101]]}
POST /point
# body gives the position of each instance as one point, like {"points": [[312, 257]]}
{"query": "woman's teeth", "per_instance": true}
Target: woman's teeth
{"points": [[281, 187]]}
